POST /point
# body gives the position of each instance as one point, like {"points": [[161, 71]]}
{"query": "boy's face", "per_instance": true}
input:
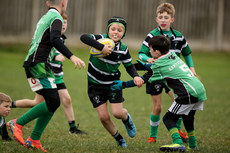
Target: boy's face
{"points": [[64, 27], [5, 109], [164, 20], [116, 31], [154, 53]]}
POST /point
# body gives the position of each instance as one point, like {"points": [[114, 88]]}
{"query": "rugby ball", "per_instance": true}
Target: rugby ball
{"points": [[98, 53]]}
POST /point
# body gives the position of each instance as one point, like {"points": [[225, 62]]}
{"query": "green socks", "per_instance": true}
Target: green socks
{"points": [[43, 116], [40, 125], [192, 139], [33, 113], [175, 136], [72, 124], [154, 124]]}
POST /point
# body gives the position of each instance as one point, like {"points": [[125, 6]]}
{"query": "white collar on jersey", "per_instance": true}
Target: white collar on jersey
{"points": [[52, 9]]}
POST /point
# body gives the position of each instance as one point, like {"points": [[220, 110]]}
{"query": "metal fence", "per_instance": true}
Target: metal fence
{"points": [[204, 23]]}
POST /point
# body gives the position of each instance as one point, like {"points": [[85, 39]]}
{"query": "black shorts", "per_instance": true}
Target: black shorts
{"points": [[99, 94], [156, 87], [61, 86]]}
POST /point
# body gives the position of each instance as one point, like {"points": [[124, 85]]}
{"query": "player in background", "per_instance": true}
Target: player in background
{"points": [[56, 63], [40, 75], [103, 71], [165, 17], [188, 90], [5, 102]]}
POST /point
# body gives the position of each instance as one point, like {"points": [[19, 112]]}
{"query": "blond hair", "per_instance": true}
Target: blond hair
{"points": [[4, 98], [166, 7]]}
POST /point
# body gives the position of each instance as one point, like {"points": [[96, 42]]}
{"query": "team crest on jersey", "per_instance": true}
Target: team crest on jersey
{"points": [[96, 99], [158, 87], [114, 96], [172, 57]]}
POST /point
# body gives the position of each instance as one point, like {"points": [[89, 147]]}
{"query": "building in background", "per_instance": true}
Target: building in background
{"points": [[204, 23]]}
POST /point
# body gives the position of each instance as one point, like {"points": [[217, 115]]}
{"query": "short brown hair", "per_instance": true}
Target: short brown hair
{"points": [[166, 7], [4, 98], [64, 16], [161, 43]]}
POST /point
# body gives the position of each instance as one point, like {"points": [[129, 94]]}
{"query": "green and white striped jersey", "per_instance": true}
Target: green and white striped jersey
{"points": [[57, 66], [105, 70], [177, 76], [178, 43]]}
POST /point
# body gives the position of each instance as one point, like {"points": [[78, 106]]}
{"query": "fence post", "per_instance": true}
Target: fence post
{"points": [[220, 24], [99, 16], [35, 14]]}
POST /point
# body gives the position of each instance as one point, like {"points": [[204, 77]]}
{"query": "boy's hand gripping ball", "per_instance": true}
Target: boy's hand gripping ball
{"points": [[98, 53]]}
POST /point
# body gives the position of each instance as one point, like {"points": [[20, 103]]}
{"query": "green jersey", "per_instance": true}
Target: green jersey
{"points": [[41, 46], [2, 122], [178, 77]]}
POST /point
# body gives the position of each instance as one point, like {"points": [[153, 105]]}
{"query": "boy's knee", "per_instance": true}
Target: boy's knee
{"points": [[157, 109], [53, 104], [117, 115], [52, 100], [120, 114], [66, 100], [104, 118]]}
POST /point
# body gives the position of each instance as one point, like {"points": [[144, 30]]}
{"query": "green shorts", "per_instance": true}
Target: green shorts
{"points": [[40, 76]]}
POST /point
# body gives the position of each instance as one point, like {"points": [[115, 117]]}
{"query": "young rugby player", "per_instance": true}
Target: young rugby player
{"points": [[5, 102], [164, 17], [40, 75], [56, 63], [189, 91], [103, 71]]}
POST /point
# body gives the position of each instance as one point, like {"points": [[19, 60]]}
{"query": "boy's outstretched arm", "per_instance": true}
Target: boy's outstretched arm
{"points": [[85, 38], [119, 85], [55, 40]]}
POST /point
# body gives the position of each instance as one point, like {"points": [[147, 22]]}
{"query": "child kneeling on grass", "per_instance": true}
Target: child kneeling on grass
{"points": [[189, 91], [5, 103]]}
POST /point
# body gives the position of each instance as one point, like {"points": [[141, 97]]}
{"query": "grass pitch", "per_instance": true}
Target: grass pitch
{"points": [[211, 125]]}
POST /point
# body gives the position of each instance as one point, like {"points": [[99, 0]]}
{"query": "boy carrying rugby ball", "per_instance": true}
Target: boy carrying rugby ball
{"points": [[103, 71]]}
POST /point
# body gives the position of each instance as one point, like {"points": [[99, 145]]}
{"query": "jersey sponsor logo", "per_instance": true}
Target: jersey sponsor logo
{"points": [[35, 84], [33, 81]]}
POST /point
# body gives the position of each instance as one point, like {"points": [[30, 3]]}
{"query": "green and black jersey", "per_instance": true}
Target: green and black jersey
{"points": [[105, 70], [177, 76], [47, 35], [178, 44], [57, 66], [2, 122]]}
